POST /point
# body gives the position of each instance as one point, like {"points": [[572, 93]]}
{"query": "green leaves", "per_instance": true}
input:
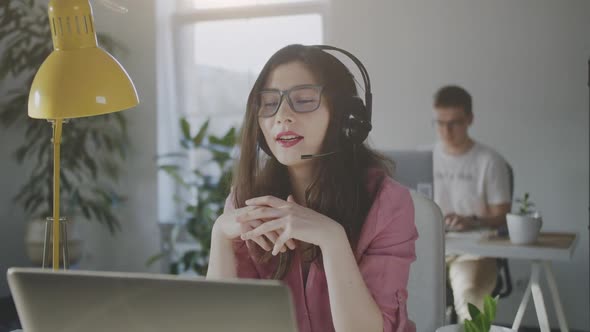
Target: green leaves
{"points": [[526, 205], [481, 322], [473, 310], [198, 139], [186, 129], [489, 308], [173, 171], [470, 326], [24, 32], [206, 182], [155, 258], [228, 140]]}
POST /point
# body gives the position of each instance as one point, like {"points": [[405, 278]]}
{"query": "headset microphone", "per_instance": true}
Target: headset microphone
{"points": [[311, 156]]}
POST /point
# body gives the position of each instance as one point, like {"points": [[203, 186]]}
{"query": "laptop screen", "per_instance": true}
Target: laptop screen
{"points": [[413, 169]]}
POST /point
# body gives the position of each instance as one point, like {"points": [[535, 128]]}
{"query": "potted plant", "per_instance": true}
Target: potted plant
{"points": [[92, 148], [525, 224], [203, 171], [480, 321]]}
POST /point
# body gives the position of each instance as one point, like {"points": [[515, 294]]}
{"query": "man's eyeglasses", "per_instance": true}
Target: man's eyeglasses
{"points": [[448, 124], [301, 98]]}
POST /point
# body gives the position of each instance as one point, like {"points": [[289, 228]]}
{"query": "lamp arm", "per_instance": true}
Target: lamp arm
{"points": [[57, 127]]}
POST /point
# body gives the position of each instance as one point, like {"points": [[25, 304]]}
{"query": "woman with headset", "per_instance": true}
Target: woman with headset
{"points": [[312, 205]]}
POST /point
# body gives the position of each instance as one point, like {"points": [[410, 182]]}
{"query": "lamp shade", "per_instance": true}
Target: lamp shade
{"points": [[78, 78]]}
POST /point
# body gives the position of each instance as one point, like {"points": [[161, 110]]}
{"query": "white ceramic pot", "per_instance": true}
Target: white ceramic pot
{"points": [[523, 229], [35, 238], [459, 328]]}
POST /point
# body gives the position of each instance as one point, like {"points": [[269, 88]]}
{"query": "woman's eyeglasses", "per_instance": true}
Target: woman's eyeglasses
{"points": [[301, 98]]}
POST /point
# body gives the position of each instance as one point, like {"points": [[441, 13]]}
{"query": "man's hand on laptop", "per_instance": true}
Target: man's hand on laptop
{"points": [[457, 223]]}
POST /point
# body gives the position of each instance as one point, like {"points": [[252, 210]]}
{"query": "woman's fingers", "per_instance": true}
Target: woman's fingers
{"points": [[266, 227], [265, 241], [262, 242], [280, 243], [272, 229], [244, 209], [266, 201], [259, 240], [259, 213], [255, 214], [272, 237], [290, 242]]}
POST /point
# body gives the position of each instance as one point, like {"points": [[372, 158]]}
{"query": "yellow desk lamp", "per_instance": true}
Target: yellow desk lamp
{"points": [[77, 79]]}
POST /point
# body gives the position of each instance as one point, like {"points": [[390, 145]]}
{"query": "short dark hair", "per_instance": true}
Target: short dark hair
{"points": [[453, 96]]}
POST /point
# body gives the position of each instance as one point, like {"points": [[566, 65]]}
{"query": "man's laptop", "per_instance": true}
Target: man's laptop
{"points": [[74, 301], [413, 169]]}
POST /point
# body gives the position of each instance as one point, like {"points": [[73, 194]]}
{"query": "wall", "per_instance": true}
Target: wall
{"points": [[525, 63]]}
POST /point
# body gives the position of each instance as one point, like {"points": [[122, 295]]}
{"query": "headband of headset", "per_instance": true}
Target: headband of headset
{"points": [[364, 73]]}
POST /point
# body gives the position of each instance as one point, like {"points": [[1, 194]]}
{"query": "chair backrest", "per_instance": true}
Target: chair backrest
{"points": [[511, 179], [426, 287], [503, 286]]}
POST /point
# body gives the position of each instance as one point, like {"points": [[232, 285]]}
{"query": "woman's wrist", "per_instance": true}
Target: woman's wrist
{"points": [[220, 241], [222, 257], [218, 233], [335, 239]]}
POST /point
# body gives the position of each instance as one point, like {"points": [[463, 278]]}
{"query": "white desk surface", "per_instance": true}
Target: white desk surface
{"points": [[549, 246]]}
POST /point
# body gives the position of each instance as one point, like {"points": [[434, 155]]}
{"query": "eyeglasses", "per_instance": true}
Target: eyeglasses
{"points": [[448, 124], [302, 99]]}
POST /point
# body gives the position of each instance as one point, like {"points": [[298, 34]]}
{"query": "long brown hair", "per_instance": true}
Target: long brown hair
{"points": [[339, 188]]}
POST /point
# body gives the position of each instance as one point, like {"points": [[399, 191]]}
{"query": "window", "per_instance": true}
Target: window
{"points": [[209, 55], [209, 4], [222, 53]]}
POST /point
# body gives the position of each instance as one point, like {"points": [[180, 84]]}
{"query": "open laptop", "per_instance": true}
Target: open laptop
{"points": [[413, 169], [74, 301]]}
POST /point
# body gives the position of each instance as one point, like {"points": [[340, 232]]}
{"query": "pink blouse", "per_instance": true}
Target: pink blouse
{"points": [[384, 253]]}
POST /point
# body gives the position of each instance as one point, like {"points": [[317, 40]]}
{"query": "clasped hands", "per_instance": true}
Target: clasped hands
{"points": [[274, 224]]}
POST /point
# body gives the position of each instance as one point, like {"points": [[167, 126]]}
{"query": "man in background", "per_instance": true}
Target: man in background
{"points": [[472, 188]]}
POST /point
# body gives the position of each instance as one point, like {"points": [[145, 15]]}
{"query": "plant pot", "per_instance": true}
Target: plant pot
{"points": [[523, 229], [459, 328], [35, 238]]}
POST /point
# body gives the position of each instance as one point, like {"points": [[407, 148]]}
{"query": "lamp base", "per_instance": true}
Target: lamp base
{"points": [[63, 244], [36, 245]]}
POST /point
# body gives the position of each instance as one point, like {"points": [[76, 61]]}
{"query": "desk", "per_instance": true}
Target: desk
{"points": [[549, 247]]}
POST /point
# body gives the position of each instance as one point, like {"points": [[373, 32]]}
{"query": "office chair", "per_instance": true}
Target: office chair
{"points": [[426, 300], [504, 281]]}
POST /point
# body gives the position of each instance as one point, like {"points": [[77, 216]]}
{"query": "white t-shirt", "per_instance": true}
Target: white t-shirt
{"points": [[468, 183]]}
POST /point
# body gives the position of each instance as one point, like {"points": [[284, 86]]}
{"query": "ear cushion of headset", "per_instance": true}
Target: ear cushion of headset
{"points": [[356, 126]]}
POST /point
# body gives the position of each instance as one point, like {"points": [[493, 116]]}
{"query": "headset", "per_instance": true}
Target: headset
{"points": [[357, 114]]}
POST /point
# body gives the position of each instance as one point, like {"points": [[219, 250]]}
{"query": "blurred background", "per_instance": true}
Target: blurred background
{"points": [[525, 62]]}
